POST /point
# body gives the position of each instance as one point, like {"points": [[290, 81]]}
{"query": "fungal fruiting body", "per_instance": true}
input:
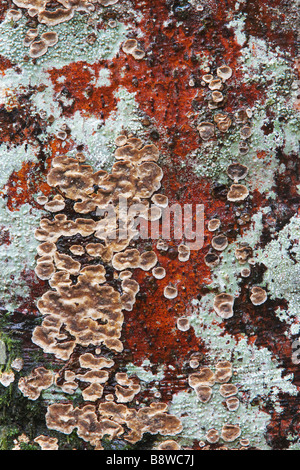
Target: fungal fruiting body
{"points": [[82, 310]]}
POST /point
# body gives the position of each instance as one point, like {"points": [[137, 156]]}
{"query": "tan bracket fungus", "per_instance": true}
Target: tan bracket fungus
{"points": [[130, 46], [223, 305], [39, 379], [82, 310], [237, 192], [258, 295]]}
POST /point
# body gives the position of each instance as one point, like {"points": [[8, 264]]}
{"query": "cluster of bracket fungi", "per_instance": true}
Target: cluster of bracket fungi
{"points": [[82, 309]]}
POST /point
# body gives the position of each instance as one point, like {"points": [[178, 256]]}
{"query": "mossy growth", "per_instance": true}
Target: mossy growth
{"points": [[19, 415]]}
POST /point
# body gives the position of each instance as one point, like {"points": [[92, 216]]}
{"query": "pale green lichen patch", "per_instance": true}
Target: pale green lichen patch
{"points": [[238, 25], [259, 374], [18, 256], [255, 373], [197, 418], [103, 78], [99, 136], [281, 257], [54, 394], [274, 121], [226, 276], [12, 159], [295, 445], [144, 372], [260, 63], [72, 44], [212, 158]]}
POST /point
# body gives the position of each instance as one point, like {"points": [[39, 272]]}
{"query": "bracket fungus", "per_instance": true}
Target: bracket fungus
{"points": [[230, 432], [213, 225], [245, 272], [243, 253], [148, 260], [50, 37], [130, 46], [47, 442], [162, 245], [39, 379], [204, 393], [126, 388], [222, 121], [219, 242], [202, 381], [217, 96], [42, 200], [224, 72], [211, 260], [228, 390], [160, 200], [106, 3], [159, 272], [232, 403], [82, 309], [183, 324], [215, 84], [258, 295], [6, 378], [245, 132], [13, 14], [207, 78], [206, 130], [223, 372], [212, 436], [56, 205], [223, 305], [169, 445], [170, 292], [243, 147], [17, 364], [38, 48], [237, 171], [204, 376], [237, 192], [194, 363], [241, 116], [183, 252], [125, 260]]}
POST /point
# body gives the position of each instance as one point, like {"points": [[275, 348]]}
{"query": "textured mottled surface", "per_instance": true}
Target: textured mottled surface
{"points": [[87, 90]]}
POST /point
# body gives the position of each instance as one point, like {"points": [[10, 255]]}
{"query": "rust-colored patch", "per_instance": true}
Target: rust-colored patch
{"points": [[22, 186]]}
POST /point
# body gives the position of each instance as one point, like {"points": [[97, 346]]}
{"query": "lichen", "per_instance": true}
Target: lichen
{"points": [[281, 257], [18, 256], [72, 45], [13, 158], [144, 372]]}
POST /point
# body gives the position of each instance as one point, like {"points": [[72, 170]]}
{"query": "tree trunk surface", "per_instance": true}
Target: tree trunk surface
{"points": [[149, 225]]}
